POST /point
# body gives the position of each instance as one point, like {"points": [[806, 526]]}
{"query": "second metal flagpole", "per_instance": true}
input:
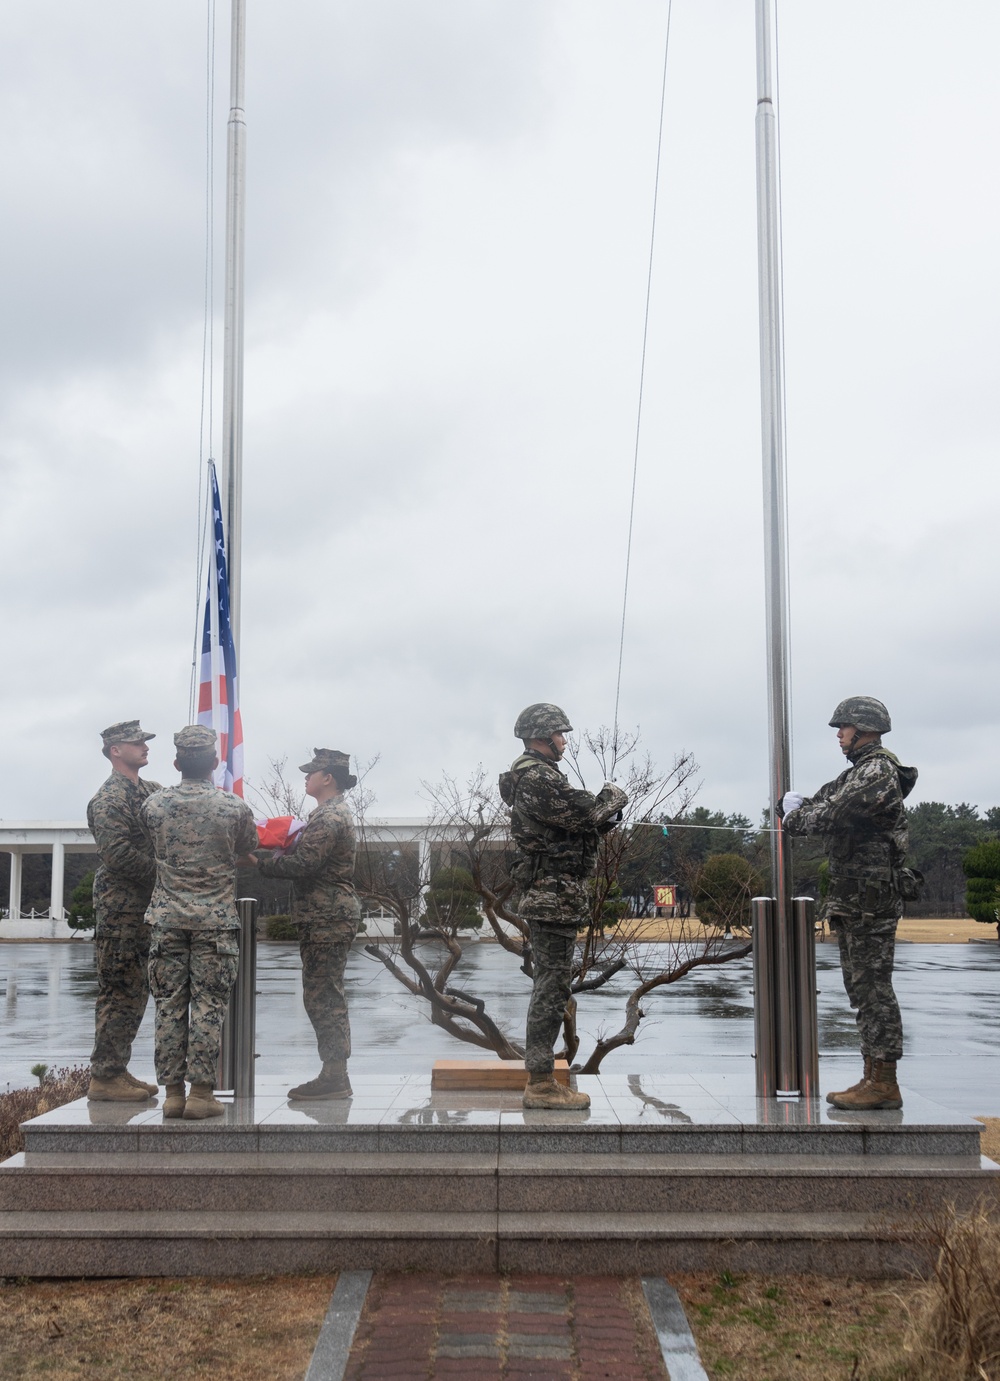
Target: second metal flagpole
{"points": [[775, 553], [232, 378]]}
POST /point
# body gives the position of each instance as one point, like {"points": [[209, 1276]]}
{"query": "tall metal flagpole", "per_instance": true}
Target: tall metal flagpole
{"points": [[775, 554], [236, 1055], [232, 379]]}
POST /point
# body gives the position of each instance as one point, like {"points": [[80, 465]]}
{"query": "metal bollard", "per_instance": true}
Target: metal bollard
{"points": [[762, 914], [807, 1032], [237, 1051], [784, 1005]]}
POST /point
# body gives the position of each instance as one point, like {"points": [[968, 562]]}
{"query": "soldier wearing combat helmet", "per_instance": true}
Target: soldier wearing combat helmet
{"points": [[862, 819], [123, 884], [556, 831], [326, 909]]}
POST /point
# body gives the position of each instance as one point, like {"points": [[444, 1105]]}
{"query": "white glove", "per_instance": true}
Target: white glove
{"points": [[791, 801]]}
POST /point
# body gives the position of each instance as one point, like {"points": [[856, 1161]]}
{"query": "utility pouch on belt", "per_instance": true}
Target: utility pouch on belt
{"points": [[909, 882]]}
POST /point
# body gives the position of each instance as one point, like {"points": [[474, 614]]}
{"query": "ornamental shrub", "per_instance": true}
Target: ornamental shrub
{"points": [[981, 865], [280, 928], [81, 904], [722, 893], [451, 901]]}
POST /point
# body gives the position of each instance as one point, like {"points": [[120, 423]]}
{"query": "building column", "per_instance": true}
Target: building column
{"points": [[58, 877], [14, 904]]}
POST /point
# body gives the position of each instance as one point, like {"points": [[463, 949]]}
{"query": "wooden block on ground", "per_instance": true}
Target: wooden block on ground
{"points": [[487, 1074]]}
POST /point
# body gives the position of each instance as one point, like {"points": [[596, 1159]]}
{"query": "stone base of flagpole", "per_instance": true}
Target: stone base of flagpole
{"points": [[654, 1177]]}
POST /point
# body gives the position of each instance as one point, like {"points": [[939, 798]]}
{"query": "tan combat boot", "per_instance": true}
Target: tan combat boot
{"points": [[880, 1091], [173, 1104], [151, 1089], [117, 1089], [545, 1091], [200, 1103], [331, 1082], [832, 1097]]}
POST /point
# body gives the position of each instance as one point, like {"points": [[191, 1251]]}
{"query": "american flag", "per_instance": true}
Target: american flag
{"points": [[218, 693]]}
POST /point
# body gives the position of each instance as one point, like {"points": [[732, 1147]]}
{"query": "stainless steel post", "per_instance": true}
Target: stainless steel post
{"points": [[775, 521], [762, 915], [803, 910], [237, 1050], [232, 377]]}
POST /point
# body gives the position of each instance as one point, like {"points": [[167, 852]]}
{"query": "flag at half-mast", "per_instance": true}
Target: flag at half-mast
{"points": [[218, 694]]}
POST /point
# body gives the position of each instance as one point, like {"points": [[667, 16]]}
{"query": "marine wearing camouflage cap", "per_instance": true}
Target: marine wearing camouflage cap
{"points": [[335, 762], [123, 884], [862, 712], [541, 721], [126, 731], [195, 738]]}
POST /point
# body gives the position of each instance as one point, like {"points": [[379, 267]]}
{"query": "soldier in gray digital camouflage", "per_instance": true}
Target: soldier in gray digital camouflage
{"points": [[862, 819], [556, 830], [326, 909], [123, 884], [198, 834]]}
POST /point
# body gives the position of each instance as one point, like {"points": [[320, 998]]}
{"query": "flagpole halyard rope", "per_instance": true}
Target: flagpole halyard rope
{"points": [[207, 408], [642, 372]]}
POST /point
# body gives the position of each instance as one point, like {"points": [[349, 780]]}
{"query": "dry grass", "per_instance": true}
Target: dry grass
{"points": [[921, 930], [17, 1106], [157, 1330], [989, 1141], [953, 1331], [795, 1328]]}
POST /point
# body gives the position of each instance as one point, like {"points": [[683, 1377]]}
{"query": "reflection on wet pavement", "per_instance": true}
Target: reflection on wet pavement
{"points": [[702, 1026]]}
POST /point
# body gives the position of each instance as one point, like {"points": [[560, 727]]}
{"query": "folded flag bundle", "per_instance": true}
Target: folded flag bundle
{"points": [[281, 833]]}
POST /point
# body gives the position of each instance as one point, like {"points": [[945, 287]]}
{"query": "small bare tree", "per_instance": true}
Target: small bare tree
{"points": [[276, 795], [470, 824]]}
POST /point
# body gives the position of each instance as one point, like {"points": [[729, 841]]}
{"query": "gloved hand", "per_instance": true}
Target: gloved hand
{"points": [[610, 794], [791, 801]]}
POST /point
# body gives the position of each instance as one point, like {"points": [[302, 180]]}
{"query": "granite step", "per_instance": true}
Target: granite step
{"points": [[617, 1183], [457, 1124], [242, 1243]]}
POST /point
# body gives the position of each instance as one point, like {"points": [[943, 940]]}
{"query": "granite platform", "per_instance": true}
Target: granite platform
{"points": [[661, 1173]]}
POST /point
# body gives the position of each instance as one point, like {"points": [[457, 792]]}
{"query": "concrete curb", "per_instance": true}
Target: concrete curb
{"points": [[677, 1344], [333, 1346]]}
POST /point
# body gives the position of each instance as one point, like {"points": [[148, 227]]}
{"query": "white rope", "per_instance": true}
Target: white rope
{"points": [[642, 372], [207, 350]]}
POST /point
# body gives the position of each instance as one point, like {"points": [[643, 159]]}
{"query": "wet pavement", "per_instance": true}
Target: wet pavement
{"points": [[948, 994]]}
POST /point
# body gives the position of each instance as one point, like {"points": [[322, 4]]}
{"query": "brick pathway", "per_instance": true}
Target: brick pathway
{"points": [[546, 1328]]}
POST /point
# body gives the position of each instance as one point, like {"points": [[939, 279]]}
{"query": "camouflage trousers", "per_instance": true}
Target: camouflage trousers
{"points": [[867, 952], [121, 949], [554, 908], [324, 949], [191, 974]]}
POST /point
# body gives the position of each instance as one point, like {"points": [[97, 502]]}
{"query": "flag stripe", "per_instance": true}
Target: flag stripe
{"points": [[218, 692]]}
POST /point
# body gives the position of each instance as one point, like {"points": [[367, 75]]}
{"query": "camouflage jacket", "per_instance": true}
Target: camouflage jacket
{"points": [[556, 827], [123, 882], [863, 823], [198, 832], [321, 867]]}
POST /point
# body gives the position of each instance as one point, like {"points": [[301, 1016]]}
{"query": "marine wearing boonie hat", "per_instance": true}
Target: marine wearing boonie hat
{"points": [[125, 731], [335, 762], [195, 738]]}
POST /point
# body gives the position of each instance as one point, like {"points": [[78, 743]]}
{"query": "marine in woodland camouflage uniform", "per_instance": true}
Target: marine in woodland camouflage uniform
{"points": [[325, 906], [198, 832], [123, 884], [556, 830], [862, 820]]}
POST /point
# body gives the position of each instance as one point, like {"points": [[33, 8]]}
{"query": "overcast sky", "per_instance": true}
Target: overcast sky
{"points": [[448, 220]]}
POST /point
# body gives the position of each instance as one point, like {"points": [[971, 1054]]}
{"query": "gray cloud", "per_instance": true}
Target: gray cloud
{"points": [[448, 218]]}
